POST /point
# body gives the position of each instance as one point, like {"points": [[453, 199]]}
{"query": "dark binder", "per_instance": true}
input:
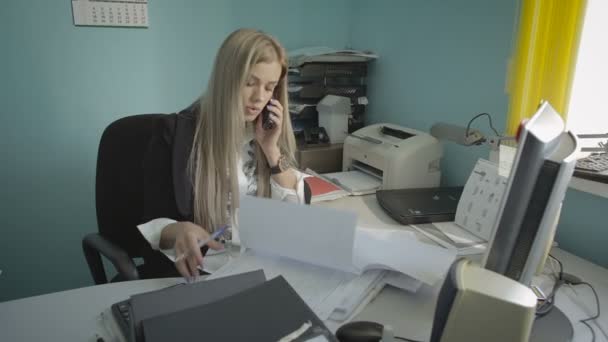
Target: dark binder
{"points": [[176, 298], [266, 312]]}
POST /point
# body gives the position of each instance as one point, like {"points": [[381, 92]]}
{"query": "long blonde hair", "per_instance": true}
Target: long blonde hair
{"points": [[220, 130]]}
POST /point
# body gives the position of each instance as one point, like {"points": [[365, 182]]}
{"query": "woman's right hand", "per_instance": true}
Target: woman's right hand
{"points": [[187, 237]]}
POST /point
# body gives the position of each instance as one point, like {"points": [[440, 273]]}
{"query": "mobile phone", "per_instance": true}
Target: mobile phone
{"points": [[267, 124]]}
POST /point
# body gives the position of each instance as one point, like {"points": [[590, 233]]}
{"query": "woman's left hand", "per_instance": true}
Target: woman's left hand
{"points": [[268, 139]]}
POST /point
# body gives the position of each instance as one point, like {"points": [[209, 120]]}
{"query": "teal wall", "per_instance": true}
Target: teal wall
{"points": [[446, 61], [439, 61], [61, 85], [583, 228]]}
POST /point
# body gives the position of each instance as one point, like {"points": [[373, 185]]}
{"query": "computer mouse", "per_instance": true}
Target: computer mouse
{"points": [[361, 331]]}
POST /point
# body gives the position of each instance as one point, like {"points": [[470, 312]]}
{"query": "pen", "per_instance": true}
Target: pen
{"points": [[201, 243]]}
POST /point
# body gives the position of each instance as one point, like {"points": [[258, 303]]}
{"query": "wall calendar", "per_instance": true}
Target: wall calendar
{"points": [[123, 13]]}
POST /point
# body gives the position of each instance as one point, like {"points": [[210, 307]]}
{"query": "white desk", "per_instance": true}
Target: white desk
{"points": [[411, 314], [73, 315]]}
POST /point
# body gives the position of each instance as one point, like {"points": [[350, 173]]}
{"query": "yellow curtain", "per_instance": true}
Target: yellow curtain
{"points": [[544, 57]]}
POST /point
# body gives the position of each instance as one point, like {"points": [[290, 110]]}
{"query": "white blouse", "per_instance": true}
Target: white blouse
{"points": [[247, 181]]}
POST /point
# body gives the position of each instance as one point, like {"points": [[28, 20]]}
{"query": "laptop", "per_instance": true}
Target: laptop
{"points": [[420, 205]]}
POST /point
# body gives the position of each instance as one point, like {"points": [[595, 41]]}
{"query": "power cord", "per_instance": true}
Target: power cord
{"points": [[597, 315], [546, 307], [561, 267], [489, 119], [404, 339], [568, 279]]}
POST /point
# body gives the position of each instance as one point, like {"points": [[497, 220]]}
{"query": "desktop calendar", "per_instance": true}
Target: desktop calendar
{"points": [[125, 13]]}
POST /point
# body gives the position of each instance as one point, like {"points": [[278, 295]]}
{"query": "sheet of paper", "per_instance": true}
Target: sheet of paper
{"points": [[480, 200], [438, 237], [313, 234], [319, 338], [350, 294], [315, 284], [461, 237], [473, 250], [401, 251], [355, 182], [434, 234], [402, 281], [506, 155]]}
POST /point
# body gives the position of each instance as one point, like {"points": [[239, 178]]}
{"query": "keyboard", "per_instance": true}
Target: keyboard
{"points": [[595, 162], [122, 314]]}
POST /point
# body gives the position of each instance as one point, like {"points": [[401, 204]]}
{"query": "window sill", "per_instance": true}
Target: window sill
{"points": [[590, 186]]}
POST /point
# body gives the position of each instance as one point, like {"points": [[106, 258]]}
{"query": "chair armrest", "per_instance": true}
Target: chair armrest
{"points": [[94, 245]]}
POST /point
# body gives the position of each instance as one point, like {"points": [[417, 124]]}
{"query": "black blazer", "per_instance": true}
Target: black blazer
{"points": [[167, 187]]}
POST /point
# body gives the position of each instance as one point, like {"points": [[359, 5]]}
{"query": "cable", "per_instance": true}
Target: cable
{"points": [[590, 329], [597, 315], [546, 307], [561, 267], [489, 119], [404, 339]]}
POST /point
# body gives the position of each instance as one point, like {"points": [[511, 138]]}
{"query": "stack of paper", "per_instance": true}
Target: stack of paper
{"points": [[355, 182], [397, 250], [322, 54], [333, 265], [451, 236]]}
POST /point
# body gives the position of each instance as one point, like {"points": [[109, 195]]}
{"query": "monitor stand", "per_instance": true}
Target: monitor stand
{"points": [[552, 327]]}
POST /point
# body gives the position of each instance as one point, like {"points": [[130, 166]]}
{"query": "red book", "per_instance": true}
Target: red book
{"points": [[323, 190]]}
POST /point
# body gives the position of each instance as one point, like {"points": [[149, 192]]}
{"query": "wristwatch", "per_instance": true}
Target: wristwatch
{"points": [[282, 166]]}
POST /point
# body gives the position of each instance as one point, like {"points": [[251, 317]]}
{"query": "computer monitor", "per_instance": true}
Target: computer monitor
{"points": [[530, 207]]}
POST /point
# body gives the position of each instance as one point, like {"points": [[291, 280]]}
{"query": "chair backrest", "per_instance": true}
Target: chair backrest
{"points": [[119, 179]]}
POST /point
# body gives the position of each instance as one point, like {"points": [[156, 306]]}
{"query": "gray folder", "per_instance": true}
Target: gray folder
{"points": [[186, 296], [266, 312]]}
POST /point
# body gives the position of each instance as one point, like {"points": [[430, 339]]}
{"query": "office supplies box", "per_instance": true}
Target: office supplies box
{"points": [[131, 313], [398, 157], [421, 205], [267, 312]]}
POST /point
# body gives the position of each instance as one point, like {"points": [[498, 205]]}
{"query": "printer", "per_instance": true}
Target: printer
{"points": [[401, 157]]}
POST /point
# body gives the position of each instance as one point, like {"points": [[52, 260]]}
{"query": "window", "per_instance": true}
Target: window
{"points": [[588, 108]]}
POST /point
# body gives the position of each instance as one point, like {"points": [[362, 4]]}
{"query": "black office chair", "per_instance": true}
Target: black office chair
{"points": [[119, 198]]}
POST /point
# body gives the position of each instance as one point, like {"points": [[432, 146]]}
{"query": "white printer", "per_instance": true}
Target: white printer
{"points": [[401, 157]]}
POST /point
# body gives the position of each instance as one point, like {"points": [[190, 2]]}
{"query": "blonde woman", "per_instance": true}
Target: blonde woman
{"points": [[208, 155]]}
